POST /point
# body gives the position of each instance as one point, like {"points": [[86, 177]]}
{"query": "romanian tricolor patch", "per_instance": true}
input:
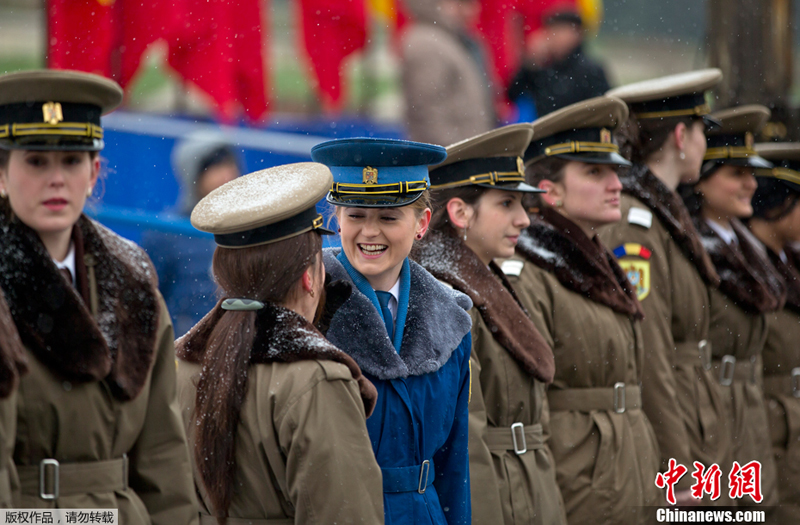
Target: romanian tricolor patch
{"points": [[634, 259]]}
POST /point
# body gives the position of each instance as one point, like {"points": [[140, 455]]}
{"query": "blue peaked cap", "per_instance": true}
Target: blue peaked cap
{"points": [[372, 173]]}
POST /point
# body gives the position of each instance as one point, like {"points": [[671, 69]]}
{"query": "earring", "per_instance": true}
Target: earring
{"points": [[89, 192], [3, 193], [339, 230], [465, 234], [682, 156], [311, 293], [559, 203], [419, 236]]}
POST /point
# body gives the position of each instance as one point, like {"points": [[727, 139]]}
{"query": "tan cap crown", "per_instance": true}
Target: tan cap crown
{"points": [[668, 86], [741, 119], [599, 112], [76, 87], [777, 151], [262, 199], [508, 141]]}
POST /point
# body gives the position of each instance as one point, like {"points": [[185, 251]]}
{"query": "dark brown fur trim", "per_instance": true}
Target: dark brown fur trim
{"points": [[790, 271], [556, 244], [450, 260], [12, 354], [667, 205], [54, 321], [746, 275], [282, 336]]}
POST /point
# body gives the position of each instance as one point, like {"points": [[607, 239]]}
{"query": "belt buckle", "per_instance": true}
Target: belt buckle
{"points": [[49, 462], [796, 382], [424, 472], [619, 397], [728, 363], [517, 450], [705, 357]]}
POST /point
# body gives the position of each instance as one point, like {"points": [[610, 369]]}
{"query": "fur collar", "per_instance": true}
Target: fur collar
{"points": [[54, 321], [282, 336], [436, 322], [790, 271], [791, 276], [12, 354], [746, 275], [554, 243], [667, 205], [450, 260]]}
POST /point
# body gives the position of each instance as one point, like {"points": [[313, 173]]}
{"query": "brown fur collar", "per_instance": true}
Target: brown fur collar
{"points": [[668, 206], [582, 265], [282, 336], [791, 276], [12, 355], [746, 275], [450, 260], [55, 322]]}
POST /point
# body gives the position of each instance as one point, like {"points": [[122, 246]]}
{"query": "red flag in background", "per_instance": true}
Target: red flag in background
{"points": [[497, 25], [140, 24], [81, 35], [332, 31]]}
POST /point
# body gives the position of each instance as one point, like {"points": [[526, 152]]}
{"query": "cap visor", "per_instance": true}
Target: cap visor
{"points": [[515, 186], [614, 159], [324, 231], [711, 123], [371, 201]]}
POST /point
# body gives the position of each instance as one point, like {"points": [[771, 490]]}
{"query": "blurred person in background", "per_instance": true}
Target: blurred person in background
{"points": [[750, 287], [202, 162], [446, 84], [776, 224], [98, 423], [555, 70]]}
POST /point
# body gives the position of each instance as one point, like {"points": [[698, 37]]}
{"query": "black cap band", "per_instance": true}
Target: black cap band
{"points": [[300, 223], [692, 105], [570, 142], [492, 171]]}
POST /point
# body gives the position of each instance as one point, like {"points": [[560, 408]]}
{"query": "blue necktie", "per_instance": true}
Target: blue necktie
{"points": [[383, 299]]}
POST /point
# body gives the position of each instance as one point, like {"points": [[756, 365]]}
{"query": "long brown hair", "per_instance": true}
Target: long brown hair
{"points": [[267, 273]]}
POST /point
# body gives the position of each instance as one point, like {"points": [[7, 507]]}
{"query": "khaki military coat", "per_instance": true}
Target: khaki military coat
{"points": [[781, 358], [507, 486], [99, 397], [750, 289], [606, 461], [680, 394], [12, 363], [302, 450]]}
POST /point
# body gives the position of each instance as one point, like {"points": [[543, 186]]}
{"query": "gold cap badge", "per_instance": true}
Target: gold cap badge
{"points": [[370, 175], [605, 136], [748, 140], [51, 112]]}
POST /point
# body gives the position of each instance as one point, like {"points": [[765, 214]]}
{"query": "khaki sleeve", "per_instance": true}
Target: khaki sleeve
{"points": [[160, 469], [486, 504], [659, 387], [331, 472], [536, 298]]}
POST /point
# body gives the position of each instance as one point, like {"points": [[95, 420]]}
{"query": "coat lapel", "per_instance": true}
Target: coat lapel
{"points": [[12, 355], [641, 183], [554, 243], [450, 260], [746, 275], [791, 276], [436, 322], [54, 321]]}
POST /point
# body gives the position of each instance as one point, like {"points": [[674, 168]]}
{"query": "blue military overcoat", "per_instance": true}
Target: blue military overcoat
{"points": [[419, 429]]}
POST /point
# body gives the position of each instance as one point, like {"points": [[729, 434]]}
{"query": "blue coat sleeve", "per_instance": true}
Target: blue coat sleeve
{"points": [[451, 461]]}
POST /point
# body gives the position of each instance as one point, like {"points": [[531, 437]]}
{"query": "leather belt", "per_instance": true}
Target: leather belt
{"points": [[731, 369], [783, 385], [518, 437], [409, 479], [689, 350], [205, 519], [619, 398], [52, 479]]}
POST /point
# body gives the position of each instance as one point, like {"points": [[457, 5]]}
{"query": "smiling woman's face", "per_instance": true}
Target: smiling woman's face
{"points": [[376, 241], [727, 193], [47, 189]]}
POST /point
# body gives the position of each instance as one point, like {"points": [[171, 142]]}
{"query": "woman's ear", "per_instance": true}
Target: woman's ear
{"points": [[679, 133], [423, 222], [307, 279], [459, 212], [555, 192]]}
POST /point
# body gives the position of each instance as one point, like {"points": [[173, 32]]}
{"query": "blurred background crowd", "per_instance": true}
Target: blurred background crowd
{"points": [[222, 87]]}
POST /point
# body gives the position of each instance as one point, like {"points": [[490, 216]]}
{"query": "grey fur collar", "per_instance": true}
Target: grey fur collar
{"points": [[436, 323]]}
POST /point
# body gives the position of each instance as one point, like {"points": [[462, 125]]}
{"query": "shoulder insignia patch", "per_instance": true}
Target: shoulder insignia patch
{"points": [[512, 267], [634, 259], [640, 217]]}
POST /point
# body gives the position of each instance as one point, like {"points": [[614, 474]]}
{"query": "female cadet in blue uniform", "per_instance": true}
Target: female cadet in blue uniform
{"points": [[409, 333]]}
